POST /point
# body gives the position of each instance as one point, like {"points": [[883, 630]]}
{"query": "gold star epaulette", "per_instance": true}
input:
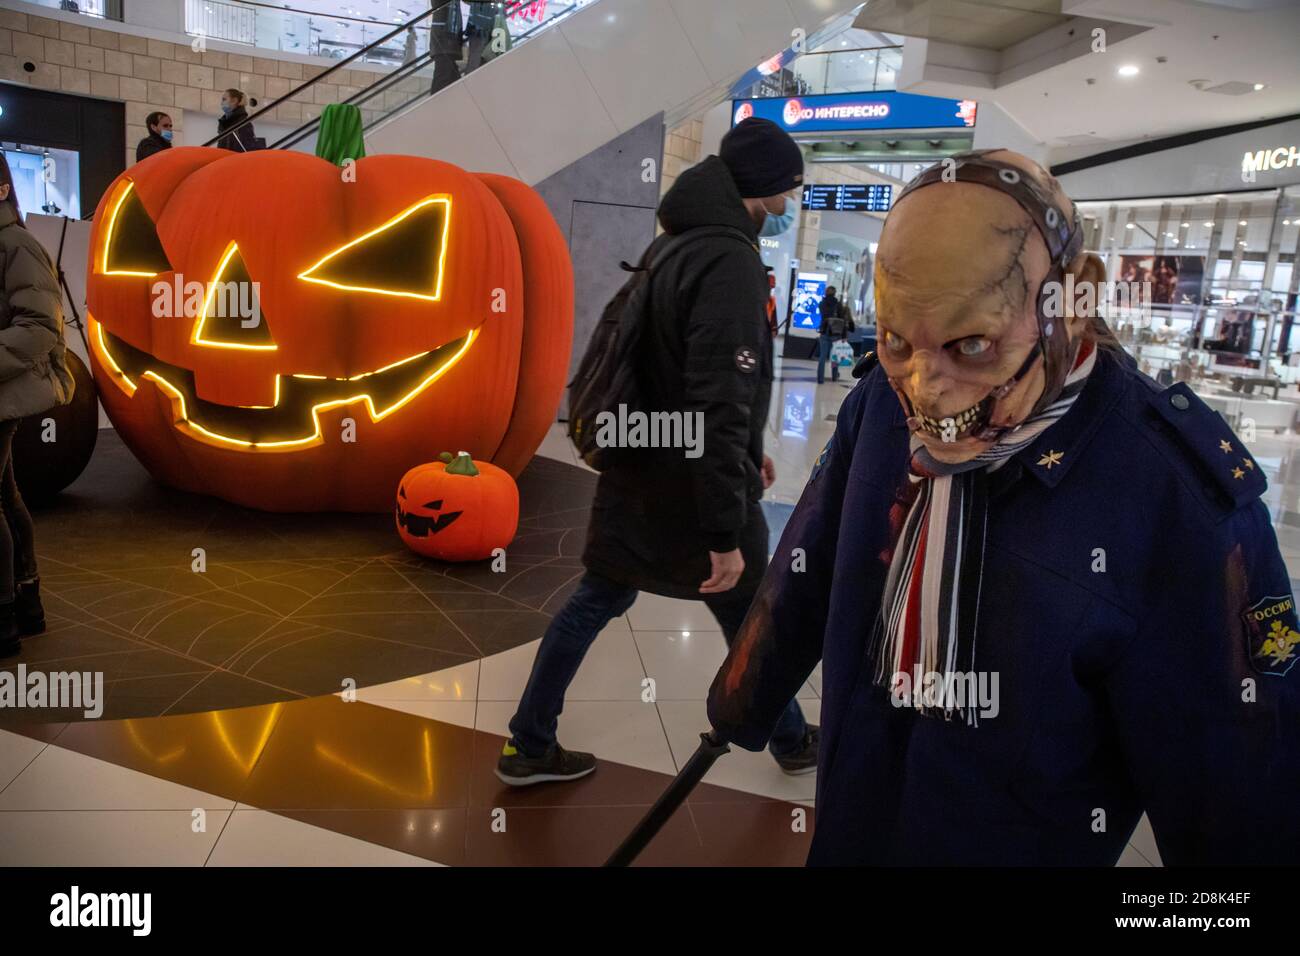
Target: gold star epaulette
{"points": [[1220, 453]]}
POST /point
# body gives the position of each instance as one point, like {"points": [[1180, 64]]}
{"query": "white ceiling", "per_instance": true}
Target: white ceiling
{"points": [[1214, 42]]}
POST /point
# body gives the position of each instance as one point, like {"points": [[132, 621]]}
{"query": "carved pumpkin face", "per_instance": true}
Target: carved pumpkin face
{"points": [[460, 510], [350, 323]]}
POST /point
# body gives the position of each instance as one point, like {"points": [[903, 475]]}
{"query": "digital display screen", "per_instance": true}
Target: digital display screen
{"points": [[809, 287], [849, 197]]}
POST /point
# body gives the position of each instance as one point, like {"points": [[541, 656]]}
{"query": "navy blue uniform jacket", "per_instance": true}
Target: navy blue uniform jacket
{"points": [[1135, 606]]}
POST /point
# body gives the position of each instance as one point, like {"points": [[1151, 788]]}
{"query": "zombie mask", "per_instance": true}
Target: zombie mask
{"points": [[968, 378]]}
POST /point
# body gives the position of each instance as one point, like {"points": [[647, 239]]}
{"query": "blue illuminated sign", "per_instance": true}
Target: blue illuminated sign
{"points": [[837, 112]]}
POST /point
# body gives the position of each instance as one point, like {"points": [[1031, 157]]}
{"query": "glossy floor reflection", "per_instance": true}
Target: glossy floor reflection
{"points": [[403, 774]]}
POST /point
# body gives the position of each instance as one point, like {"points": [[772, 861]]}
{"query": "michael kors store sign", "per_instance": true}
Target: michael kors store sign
{"points": [[1281, 157], [1265, 157]]}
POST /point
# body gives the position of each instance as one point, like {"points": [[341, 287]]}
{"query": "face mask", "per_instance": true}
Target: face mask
{"points": [[225, 109], [775, 224], [167, 135]]}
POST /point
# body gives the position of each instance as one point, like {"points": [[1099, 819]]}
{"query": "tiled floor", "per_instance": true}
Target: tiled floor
{"points": [[228, 741], [286, 606]]}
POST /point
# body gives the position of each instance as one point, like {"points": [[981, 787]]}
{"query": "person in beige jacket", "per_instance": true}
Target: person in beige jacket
{"points": [[34, 377]]}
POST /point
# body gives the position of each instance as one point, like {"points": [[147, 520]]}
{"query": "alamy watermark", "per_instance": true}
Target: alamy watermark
{"points": [[637, 429], [1132, 300], [963, 690], [225, 300], [63, 690]]}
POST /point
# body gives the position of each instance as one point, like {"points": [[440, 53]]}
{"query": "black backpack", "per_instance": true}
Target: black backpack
{"points": [[607, 375]]}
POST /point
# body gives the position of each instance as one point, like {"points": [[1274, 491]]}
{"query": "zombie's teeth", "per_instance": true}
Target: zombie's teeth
{"points": [[959, 422]]}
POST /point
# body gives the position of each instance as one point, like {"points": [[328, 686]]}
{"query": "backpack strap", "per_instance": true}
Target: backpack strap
{"points": [[653, 258]]}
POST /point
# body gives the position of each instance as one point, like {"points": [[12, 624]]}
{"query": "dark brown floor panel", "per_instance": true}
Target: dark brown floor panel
{"points": [[47, 733], [328, 754], [292, 603], [217, 691], [215, 751], [753, 833], [572, 836], [427, 788]]}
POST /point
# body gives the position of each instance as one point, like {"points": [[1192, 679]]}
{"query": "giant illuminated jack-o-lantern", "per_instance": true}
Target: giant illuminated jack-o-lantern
{"points": [[431, 306]]}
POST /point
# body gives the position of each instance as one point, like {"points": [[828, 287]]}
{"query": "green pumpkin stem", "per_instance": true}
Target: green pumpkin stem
{"points": [[463, 464]]}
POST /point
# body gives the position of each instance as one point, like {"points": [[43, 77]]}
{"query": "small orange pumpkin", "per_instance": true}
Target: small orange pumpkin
{"points": [[457, 509]]}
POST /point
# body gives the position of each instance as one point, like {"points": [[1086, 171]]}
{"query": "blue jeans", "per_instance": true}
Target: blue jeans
{"points": [[824, 343], [597, 601]]}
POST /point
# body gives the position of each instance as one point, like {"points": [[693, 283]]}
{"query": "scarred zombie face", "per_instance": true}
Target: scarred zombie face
{"points": [[957, 281]]}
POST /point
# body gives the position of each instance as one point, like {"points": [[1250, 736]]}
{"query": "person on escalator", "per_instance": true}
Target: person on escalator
{"points": [[241, 140], [159, 138], [684, 522], [445, 35]]}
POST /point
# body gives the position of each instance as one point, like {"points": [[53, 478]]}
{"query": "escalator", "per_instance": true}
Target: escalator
{"points": [[526, 88]]}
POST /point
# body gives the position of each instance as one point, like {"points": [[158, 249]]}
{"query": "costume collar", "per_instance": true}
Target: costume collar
{"points": [[1055, 451]]}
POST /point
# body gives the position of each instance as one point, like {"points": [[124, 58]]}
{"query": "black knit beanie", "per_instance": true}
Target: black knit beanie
{"points": [[762, 158]]}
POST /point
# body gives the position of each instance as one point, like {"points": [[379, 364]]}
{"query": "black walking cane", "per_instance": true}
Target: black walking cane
{"points": [[710, 749]]}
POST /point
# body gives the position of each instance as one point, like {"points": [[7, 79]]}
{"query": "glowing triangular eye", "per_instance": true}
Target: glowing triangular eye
{"points": [[404, 256], [131, 243], [232, 309]]}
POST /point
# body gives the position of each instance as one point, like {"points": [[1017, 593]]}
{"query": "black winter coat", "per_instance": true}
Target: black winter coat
{"points": [[153, 143], [707, 349], [241, 140]]}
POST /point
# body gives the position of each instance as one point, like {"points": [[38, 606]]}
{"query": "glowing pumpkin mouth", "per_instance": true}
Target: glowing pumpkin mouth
{"points": [[293, 421]]}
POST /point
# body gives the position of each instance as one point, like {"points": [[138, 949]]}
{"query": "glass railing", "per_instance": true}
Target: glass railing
{"points": [[103, 9], [404, 63], [837, 71], [338, 37]]}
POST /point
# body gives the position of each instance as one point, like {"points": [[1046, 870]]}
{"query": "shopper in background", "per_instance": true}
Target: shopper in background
{"points": [[664, 522], [159, 138], [233, 113], [831, 331], [33, 378], [446, 33]]}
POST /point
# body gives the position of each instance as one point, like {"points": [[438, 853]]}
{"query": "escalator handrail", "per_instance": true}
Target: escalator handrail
{"points": [[320, 76], [406, 69], [295, 136]]}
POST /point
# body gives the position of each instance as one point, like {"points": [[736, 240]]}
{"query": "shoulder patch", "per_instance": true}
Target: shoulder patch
{"points": [[1207, 438], [820, 463], [1272, 635], [746, 359]]}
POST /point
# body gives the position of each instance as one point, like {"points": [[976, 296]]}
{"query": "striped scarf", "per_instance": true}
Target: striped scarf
{"points": [[930, 609]]}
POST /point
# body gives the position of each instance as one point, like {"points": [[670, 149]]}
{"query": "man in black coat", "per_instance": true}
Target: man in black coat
{"points": [[159, 138], [684, 521]]}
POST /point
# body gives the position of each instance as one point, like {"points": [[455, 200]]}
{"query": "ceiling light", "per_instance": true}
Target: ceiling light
{"points": [[1185, 225], [1241, 222], [1128, 225], [1210, 224], [1128, 70], [1258, 87]]}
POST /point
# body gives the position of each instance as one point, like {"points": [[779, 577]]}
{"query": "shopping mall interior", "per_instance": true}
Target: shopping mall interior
{"points": [[228, 526]]}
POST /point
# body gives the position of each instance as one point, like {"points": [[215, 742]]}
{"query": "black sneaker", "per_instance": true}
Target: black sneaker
{"points": [[803, 760], [519, 770]]}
